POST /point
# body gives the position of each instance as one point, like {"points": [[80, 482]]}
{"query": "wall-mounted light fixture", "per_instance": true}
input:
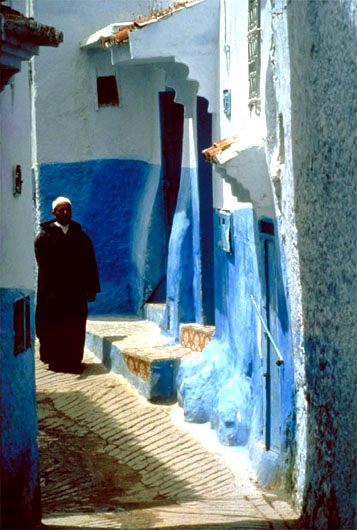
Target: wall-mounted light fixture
{"points": [[18, 181]]}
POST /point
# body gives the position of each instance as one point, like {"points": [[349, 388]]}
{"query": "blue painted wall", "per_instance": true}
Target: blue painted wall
{"points": [[225, 385], [108, 198], [180, 271], [20, 493]]}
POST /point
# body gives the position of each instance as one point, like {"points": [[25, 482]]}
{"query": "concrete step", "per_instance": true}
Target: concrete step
{"points": [[196, 336], [138, 350], [156, 312]]}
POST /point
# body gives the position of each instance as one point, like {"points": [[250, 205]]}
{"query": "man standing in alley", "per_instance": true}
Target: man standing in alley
{"points": [[67, 280]]}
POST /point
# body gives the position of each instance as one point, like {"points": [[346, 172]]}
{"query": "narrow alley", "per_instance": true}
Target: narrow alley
{"points": [[178, 201], [111, 459]]}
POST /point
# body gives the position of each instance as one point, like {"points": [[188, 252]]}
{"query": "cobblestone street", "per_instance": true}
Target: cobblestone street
{"points": [[111, 459]]}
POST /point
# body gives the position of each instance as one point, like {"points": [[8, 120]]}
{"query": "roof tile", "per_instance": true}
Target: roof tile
{"points": [[218, 152], [28, 30], [122, 36]]}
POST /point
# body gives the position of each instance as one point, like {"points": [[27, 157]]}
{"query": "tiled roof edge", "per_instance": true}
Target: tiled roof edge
{"points": [[211, 154], [26, 29], [123, 34]]}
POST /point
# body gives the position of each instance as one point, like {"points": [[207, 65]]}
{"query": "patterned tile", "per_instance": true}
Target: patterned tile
{"points": [[195, 336], [138, 367]]}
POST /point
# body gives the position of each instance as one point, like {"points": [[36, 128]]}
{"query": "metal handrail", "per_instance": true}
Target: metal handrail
{"points": [[280, 357]]}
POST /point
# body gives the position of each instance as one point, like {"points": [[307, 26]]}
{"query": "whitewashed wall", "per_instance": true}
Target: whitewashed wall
{"points": [[250, 167], [69, 123], [16, 245]]}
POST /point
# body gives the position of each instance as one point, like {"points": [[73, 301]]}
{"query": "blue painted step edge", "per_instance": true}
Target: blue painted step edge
{"points": [[159, 385]]}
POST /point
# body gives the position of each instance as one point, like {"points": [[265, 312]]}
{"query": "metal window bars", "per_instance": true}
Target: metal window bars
{"points": [[254, 32]]}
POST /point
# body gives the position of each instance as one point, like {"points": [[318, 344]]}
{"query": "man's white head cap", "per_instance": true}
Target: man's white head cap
{"points": [[60, 200]]}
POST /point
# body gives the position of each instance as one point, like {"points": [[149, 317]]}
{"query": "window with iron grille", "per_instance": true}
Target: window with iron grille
{"points": [[254, 54]]}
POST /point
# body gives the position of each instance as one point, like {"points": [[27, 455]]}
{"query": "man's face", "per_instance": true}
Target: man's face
{"points": [[63, 213]]}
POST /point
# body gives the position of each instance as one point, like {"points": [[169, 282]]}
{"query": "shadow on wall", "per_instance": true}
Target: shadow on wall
{"points": [[323, 89]]}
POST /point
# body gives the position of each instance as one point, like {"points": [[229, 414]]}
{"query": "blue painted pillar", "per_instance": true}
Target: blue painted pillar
{"points": [[179, 303]]}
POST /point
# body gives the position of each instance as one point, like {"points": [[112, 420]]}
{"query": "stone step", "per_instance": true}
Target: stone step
{"points": [[138, 350], [156, 312], [196, 336]]}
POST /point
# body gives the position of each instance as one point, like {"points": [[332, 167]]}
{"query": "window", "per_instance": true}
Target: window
{"points": [[22, 328], [28, 342], [107, 91], [227, 102], [266, 227], [254, 54]]}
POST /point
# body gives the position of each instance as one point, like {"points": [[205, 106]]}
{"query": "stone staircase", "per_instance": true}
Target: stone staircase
{"points": [[142, 352], [156, 313]]}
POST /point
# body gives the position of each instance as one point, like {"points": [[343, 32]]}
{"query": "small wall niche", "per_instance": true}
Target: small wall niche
{"points": [[107, 91]]}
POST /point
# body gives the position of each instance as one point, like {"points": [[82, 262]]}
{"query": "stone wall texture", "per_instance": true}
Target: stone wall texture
{"points": [[324, 95]]}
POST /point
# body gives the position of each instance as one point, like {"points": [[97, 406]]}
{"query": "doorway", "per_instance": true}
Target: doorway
{"points": [[204, 140], [171, 120], [272, 398], [171, 130]]}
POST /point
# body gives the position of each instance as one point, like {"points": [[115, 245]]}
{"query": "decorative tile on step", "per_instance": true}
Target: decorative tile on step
{"points": [[196, 336], [138, 350]]}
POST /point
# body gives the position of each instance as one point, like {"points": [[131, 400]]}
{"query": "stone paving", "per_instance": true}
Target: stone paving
{"points": [[111, 459]]}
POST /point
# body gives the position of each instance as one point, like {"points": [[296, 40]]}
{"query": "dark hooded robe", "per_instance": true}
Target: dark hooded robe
{"points": [[67, 278]]}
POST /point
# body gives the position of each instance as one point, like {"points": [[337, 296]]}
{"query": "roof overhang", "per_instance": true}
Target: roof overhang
{"points": [[21, 38], [241, 161], [223, 150]]}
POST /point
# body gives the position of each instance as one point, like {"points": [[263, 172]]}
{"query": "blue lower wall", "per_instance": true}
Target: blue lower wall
{"points": [[20, 493], [225, 385], [117, 203]]}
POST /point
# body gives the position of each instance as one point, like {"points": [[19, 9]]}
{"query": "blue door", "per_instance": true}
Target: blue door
{"points": [[204, 139], [171, 117], [171, 121], [272, 371]]}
